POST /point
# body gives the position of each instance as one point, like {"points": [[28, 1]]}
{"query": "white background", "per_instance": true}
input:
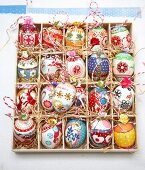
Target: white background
{"points": [[67, 161]]}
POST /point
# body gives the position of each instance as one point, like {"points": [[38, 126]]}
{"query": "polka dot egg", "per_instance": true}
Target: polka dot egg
{"points": [[98, 66], [75, 133]]}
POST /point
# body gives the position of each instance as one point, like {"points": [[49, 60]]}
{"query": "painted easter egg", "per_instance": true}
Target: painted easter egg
{"points": [[80, 100], [76, 66], [98, 66], [24, 130], [124, 133], [52, 37], [123, 65], [49, 67], [75, 133], [27, 69], [100, 133], [64, 96], [121, 38], [75, 36], [26, 99], [51, 134], [99, 99], [28, 34], [46, 97], [123, 98], [98, 36]]}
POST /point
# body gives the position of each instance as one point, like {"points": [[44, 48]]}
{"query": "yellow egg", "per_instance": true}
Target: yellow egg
{"points": [[124, 135]]}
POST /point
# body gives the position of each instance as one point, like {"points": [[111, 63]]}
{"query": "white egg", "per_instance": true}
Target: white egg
{"points": [[64, 97], [123, 98]]}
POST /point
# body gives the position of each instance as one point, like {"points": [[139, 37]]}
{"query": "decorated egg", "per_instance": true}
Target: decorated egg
{"points": [[124, 133], [24, 130], [123, 98], [121, 38], [49, 67], [80, 100], [98, 66], [46, 97], [75, 133], [98, 36], [27, 69], [52, 37], [75, 36], [99, 99], [29, 34], [123, 65], [26, 99], [51, 134], [64, 96], [100, 133], [75, 65]]}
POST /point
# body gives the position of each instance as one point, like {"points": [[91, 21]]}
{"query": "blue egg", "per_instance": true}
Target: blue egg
{"points": [[98, 67], [75, 133]]}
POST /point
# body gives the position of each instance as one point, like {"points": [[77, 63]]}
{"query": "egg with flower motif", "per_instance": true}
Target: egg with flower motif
{"points": [[80, 100], [51, 134], [46, 97], [100, 133], [98, 36], [26, 100], [123, 65], [27, 69], [123, 98], [75, 133], [75, 65], [50, 67], [29, 33], [24, 131], [75, 36], [64, 96], [98, 66], [121, 38], [52, 37], [124, 133], [99, 99]]}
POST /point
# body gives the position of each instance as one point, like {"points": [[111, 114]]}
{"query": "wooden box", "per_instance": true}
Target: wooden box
{"points": [[112, 116]]}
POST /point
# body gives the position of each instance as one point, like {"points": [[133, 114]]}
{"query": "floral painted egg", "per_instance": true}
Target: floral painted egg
{"points": [[99, 99], [98, 36], [26, 99], [27, 69], [64, 96], [46, 97], [124, 133], [75, 65], [75, 36], [24, 130], [98, 66], [121, 38], [51, 134], [123, 98], [123, 65], [80, 100], [49, 67], [75, 133], [29, 34], [100, 133], [52, 37]]}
